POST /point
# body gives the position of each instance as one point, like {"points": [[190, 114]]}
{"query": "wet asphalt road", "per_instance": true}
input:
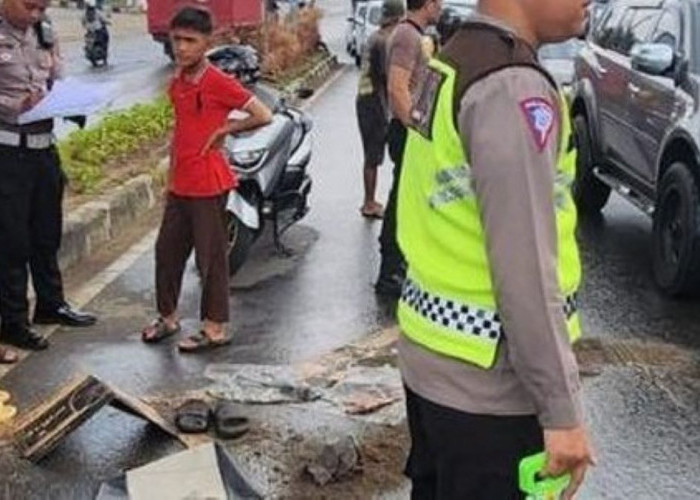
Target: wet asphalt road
{"points": [[645, 417]]}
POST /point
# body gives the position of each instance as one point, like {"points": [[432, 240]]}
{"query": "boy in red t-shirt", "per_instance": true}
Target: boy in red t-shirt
{"points": [[199, 180]]}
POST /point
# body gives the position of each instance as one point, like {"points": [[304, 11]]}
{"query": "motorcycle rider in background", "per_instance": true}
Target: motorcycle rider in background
{"points": [[95, 21]]}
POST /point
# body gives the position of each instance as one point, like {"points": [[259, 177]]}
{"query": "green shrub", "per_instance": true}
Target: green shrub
{"points": [[85, 153]]}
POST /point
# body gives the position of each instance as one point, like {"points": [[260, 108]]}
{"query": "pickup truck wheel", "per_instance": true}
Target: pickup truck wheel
{"points": [[676, 233], [589, 192]]}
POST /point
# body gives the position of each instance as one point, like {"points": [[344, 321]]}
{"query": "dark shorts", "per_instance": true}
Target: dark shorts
{"points": [[373, 128], [456, 455]]}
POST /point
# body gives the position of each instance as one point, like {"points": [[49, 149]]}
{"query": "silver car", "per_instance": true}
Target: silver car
{"points": [[365, 21]]}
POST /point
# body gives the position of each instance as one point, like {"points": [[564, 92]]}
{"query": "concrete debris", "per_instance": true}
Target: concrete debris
{"points": [[337, 460], [363, 390], [259, 384], [357, 390]]}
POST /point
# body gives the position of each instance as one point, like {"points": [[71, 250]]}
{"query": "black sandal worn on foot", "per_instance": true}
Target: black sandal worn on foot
{"points": [[193, 417], [158, 331], [202, 343]]}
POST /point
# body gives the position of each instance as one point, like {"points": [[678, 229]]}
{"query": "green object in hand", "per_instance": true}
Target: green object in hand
{"points": [[537, 487]]}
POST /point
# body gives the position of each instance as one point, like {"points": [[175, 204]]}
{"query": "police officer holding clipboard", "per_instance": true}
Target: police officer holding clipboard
{"points": [[31, 181]]}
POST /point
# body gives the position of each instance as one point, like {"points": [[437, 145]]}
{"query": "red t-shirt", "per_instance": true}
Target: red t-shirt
{"points": [[201, 106]]}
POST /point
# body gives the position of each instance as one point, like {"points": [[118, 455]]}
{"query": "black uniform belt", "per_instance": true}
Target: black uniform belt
{"points": [[26, 140]]}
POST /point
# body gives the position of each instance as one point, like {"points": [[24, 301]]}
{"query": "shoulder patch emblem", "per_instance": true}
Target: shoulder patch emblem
{"points": [[540, 118]]}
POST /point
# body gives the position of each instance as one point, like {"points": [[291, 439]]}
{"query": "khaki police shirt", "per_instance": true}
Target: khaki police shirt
{"points": [[25, 67], [513, 160]]}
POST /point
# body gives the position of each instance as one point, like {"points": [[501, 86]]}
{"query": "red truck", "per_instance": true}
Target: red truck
{"points": [[226, 14]]}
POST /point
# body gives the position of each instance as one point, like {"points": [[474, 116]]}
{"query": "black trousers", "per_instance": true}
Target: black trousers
{"points": [[456, 455], [392, 263], [31, 220]]}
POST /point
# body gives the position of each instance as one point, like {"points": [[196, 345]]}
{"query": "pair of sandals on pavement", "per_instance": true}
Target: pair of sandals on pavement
{"points": [[196, 417], [159, 330]]}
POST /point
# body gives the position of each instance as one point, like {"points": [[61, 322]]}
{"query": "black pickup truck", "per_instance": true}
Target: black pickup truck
{"points": [[637, 126]]}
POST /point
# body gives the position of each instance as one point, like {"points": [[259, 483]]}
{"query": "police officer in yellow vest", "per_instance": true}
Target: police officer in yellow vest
{"points": [[486, 222]]}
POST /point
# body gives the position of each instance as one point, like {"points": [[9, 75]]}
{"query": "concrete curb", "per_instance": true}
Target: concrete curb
{"points": [[105, 218], [100, 220]]}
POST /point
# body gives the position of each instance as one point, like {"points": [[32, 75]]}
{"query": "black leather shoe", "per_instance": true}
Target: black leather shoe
{"points": [[24, 338], [64, 315]]}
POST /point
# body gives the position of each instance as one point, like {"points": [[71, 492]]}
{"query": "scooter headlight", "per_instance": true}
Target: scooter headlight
{"points": [[247, 159]]}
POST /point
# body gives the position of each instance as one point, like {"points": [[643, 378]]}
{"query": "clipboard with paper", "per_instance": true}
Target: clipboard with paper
{"points": [[71, 97]]}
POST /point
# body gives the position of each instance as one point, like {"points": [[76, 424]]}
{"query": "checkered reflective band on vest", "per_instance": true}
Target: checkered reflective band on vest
{"points": [[463, 319]]}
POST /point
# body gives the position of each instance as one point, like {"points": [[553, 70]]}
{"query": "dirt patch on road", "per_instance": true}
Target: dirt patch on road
{"points": [[382, 454], [596, 353]]}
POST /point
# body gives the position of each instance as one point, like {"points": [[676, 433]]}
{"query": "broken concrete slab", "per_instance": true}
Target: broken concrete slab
{"points": [[259, 384], [356, 390]]}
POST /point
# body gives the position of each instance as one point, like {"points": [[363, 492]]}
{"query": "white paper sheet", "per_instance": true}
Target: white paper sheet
{"points": [[71, 97], [190, 475]]}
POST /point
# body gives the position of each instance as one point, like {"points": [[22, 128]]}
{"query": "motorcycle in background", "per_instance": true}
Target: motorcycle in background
{"points": [[271, 163], [96, 35]]}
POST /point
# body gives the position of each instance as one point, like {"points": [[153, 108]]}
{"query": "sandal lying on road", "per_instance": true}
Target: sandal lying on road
{"points": [[158, 331], [227, 423], [201, 343], [193, 417], [8, 356]]}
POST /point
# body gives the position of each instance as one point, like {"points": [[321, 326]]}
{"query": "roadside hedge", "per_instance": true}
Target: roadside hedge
{"points": [[88, 152]]}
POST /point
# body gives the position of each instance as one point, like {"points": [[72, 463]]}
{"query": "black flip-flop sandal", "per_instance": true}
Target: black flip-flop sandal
{"points": [[160, 332], [228, 424], [193, 417], [202, 343]]}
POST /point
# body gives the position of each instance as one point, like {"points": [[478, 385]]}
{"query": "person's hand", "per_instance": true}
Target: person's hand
{"points": [[568, 451], [31, 100], [217, 139]]}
